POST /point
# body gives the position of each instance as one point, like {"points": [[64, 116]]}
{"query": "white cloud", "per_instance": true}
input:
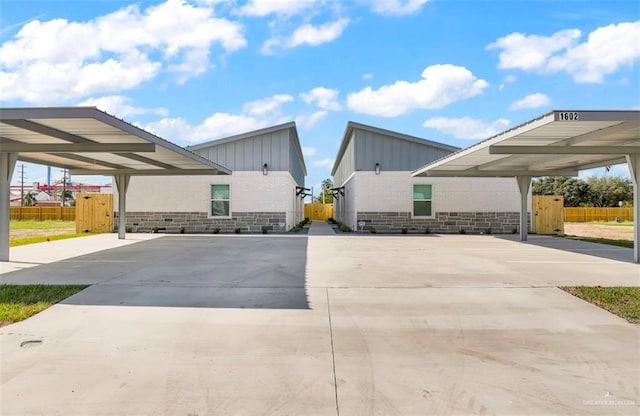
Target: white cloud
{"points": [[281, 7], [267, 105], [507, 80], [255, 115], [396, 7], [307, 35], [466, 127], [367, 75], [309, 151], [606, 50], [57, 60], [536, 100], [120, 106], [530, 52], [325, 98], [323, 163], [306, 121], [440, 85]]}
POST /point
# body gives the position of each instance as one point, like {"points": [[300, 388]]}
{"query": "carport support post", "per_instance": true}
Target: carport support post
{"points": [[7, 164], [524, 182], [634, 169], [122, 183]]}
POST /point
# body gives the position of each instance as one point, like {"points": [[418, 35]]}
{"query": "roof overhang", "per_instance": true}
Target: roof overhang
{"points": [[559, 143], [88, 141]]}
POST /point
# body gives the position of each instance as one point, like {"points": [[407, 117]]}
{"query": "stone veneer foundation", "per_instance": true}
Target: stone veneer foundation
{"points": [[200, 222], [444, 222]]}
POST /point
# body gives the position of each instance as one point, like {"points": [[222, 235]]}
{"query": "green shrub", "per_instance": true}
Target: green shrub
{"points": [[215, 230], [154, 230], [182, 230], [372, 230], [427, 230], [515, 230], [237, 230], [462, 231], [488, 231], [265, 230], [344, 228], [404, 231]]}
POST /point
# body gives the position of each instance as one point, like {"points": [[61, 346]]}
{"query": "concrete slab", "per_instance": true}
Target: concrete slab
{"points": [[320, 228], [312, 325]]}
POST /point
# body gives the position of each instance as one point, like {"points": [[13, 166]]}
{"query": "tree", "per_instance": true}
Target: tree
{"points": [[29, 199], [608, 191], [598, 192], [576, 192], [327, 184]]}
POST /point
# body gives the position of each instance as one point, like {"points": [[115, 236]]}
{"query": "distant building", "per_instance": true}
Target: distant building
{"points": [[375, 189], [264, 189]]}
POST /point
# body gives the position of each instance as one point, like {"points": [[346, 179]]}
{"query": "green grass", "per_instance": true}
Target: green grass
{"points": [[621, 301], [41, 239], [613, 223], [18, 303], [40, 225], [618, 243]]}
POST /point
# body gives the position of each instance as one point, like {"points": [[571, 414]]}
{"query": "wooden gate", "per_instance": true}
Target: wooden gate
{"points": [[319, 212], [548, 214], [94, 213]]}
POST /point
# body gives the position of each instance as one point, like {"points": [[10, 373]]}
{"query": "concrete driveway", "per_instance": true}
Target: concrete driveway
{"points": [[325, 325]]}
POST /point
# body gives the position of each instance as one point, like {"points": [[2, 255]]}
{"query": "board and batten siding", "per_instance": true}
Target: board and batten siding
{"points": [[346, 165], [251, 153], [391, 153]]}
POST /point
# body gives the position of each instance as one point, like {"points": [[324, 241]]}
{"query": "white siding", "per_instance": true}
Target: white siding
{"points": [[393, 192], [250, 192]]}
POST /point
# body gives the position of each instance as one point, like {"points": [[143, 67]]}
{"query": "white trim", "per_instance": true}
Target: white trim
{"points": [[433, 207]]}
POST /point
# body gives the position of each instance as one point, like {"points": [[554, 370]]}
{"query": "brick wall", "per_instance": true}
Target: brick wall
{"points": [[199, 222], [444, 222]]}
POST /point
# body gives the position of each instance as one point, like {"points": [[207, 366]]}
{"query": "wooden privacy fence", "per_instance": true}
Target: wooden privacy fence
{"points": [[320, 212], [43, 213], [94, 213], [548, 214], [589, 214]]}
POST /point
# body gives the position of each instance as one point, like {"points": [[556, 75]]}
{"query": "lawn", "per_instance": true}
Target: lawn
{"points": [[18, 302], [621, 301], [608, 241], [30, 231]]}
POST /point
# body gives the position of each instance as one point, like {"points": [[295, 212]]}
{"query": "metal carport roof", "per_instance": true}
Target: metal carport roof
{"points": [[559, 143], [87, 141]]}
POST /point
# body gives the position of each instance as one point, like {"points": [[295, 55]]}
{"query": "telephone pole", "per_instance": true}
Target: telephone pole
{"points": [[22, 185]]}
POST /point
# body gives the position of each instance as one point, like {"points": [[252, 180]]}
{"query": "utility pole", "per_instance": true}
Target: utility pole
{"points": [[64, 185], [22, 178]]}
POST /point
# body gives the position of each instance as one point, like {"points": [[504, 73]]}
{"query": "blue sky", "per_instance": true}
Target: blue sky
{"points": [[451, 71]]}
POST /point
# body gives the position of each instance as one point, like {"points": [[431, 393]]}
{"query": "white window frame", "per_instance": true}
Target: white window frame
{"points": [[210, 211], [433, 210]]}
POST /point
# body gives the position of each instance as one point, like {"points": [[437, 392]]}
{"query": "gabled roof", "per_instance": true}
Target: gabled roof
{"points": [[351, 126], [291, 126], [88, 141]]}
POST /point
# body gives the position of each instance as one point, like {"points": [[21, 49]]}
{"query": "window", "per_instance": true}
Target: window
{"points": [[421, 200], [220, 200]]}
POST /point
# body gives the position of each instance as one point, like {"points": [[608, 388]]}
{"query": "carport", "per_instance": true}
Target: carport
{"points": [[559, 143], [87, 141]]}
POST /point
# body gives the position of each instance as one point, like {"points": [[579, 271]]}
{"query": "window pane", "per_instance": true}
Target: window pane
{"points": [[422, 208], [220, 208], [421, 191], [219, 191]]}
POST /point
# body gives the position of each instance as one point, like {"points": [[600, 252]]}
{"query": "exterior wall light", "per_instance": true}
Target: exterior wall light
{"points": [[265, 169], [377, 168]]}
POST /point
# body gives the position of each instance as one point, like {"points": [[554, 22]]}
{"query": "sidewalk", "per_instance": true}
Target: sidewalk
{"points": [[320, 228]]}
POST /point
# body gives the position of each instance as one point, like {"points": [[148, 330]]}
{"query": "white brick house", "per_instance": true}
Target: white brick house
{"points": [[372, 175], [268, 171]]}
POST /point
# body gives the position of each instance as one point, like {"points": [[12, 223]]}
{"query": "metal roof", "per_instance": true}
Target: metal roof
{"points": [[351, 125], [88, 141], [559, 143]]}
